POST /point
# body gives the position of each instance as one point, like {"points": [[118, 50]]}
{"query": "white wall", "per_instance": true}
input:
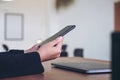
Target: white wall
{"points": [[35, 24], [93, 18]]}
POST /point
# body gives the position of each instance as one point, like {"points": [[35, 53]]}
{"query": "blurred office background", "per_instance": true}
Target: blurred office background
{"points": [[42, 18]]}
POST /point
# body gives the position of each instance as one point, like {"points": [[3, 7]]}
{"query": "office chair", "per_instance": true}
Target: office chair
{"points": [[78, 52], [5, 47], [64, 53], [115, 41]]}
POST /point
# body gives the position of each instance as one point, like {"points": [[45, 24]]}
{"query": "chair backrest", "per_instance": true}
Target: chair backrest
{"points": [[78, 52], [115, 55], [5, 47], [64, 53]]}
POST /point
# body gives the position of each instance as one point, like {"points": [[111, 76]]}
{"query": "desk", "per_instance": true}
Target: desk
{"points": [[52, 73]]}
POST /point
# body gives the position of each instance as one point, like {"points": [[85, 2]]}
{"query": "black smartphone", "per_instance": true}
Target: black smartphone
{"points": [[62, 32]]}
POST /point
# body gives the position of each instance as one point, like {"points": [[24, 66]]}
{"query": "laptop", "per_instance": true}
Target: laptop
{"points": [[84, 67]]}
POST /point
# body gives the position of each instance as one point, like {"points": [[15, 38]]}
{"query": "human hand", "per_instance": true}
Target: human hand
{"points": [[51, 50], [32, 49]]}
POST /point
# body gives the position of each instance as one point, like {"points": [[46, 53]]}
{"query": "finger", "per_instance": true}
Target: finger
{"points": [[59, 44], [56, 41]]}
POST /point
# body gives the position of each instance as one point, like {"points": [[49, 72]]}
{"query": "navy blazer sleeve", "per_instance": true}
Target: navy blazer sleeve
{"points": [[16, 63]]}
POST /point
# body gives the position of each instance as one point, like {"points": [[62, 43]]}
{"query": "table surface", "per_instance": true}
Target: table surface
{"points": [[52, 73]]}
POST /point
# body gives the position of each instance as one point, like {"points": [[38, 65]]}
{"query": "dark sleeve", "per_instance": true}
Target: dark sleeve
{"points": [[13, 52], [20, 64]]}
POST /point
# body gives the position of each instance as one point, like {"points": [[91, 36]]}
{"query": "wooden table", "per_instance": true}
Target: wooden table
{"points": [[52, 73]]}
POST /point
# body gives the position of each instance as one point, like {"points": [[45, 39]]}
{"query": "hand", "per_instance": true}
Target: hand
{"points": [[51, 50], [32, 49]]}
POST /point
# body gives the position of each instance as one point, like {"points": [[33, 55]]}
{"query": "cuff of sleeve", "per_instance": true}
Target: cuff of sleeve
{"points": [[34, 64], [16, 51]]}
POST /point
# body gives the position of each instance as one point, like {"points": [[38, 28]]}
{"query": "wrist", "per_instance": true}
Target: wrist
{"points": [[41, 56]]}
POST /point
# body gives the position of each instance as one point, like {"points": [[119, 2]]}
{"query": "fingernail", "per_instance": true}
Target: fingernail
{"points": [[60, 38]]}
